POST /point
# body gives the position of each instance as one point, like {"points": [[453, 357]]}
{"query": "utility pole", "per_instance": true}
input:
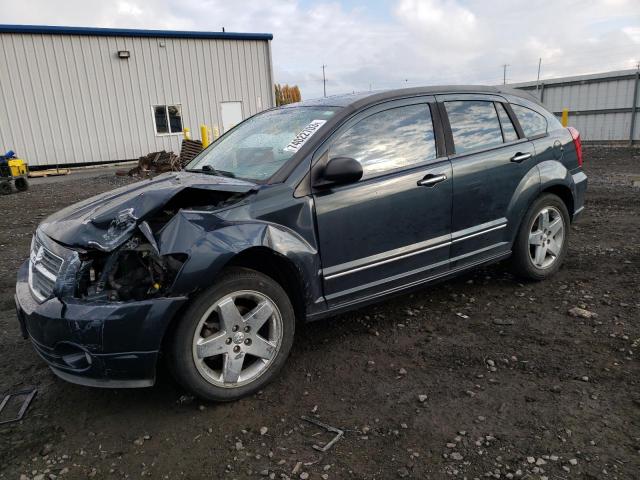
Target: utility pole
{"points": [[504, 73], [538, 79], [324, 80]]}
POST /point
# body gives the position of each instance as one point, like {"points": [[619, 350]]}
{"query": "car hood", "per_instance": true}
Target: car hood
{"points": [[106, 221]]}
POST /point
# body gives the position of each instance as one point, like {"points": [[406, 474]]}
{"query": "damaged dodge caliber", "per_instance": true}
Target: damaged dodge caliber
{"points": [[296, 214]]}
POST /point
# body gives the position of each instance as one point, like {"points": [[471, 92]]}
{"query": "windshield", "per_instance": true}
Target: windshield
{"points": [[258, 147]]}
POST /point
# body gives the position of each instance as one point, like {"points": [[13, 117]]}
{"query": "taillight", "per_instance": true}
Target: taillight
{"points": [[575, 134]]}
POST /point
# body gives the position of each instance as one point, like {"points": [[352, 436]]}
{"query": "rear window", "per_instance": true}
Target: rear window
{"points": [[532, 122], [474, 125]]}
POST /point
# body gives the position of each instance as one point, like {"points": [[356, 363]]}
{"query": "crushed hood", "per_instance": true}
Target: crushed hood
{"points": [[106, 221]]}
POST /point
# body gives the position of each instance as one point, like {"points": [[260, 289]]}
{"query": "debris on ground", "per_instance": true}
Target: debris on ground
{"points": [[582, 313], [339, 433], [160, 162], [27, 396]]}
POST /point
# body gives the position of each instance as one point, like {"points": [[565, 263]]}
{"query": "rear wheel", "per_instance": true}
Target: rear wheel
{"points": [[541, 244], [5, 188], [21, 184], [235, 336]]}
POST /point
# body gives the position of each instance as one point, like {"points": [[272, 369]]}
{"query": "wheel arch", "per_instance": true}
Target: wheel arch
{"points": [[565, 194], [279, 268]]}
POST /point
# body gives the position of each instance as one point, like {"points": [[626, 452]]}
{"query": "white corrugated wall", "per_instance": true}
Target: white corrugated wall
{"points": [[599, 105], [67, 99]]}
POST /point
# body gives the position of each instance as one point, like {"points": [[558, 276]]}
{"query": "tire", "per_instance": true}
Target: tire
{"points": [[5, 188], [21, 184], [207, 347], [539, 248]]}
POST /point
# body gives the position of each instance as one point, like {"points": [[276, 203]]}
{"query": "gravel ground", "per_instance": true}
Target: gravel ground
{"points": [[481, 376]]}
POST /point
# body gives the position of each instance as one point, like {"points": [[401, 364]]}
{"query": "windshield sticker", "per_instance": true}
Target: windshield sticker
{"points": [[305, 134]]}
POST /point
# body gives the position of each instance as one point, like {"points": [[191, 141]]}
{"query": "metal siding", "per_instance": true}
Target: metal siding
{"points": [[595, 93], [75, 101]]}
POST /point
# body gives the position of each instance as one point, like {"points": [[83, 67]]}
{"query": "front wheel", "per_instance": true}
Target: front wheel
{"points": [[541, 244], [235, 336]]}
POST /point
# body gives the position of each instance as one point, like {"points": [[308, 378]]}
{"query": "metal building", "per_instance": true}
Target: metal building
{"points": [[74, 95], [603, 107]]}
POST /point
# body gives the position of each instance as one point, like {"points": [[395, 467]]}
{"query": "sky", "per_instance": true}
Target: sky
{"points": [[381, 44]]}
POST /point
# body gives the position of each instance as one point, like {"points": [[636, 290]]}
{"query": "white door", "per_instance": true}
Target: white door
{"points": [[231, 115]]}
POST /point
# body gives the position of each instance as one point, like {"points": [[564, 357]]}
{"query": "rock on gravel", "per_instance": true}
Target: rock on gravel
{"points": [[582, 313]]}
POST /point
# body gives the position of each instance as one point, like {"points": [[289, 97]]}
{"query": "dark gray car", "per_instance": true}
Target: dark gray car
{"points": [[296, 214]]}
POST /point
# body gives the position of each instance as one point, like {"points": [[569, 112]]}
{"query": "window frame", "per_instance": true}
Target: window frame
{"points": [[320, 156], [441, 99], [166, 111]]}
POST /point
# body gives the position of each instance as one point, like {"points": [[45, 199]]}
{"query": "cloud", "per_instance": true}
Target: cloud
{"points": [[409, 42]]}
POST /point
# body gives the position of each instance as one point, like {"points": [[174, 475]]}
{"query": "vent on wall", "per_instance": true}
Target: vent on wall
{"points": [[124, 54]]}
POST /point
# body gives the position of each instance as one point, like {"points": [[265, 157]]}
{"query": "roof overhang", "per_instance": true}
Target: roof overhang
{"points": [[130, 32]]}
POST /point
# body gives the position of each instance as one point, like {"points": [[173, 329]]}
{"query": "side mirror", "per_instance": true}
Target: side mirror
{"points": [[340, 170]]}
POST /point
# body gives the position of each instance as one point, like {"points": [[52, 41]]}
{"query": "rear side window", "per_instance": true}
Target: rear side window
{"points": [[532, 122], [389, 140], [474, 125], [508, 131]]}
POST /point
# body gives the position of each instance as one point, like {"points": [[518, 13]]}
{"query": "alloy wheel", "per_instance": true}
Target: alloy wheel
{"points": [[546, 237], [237, 338]]}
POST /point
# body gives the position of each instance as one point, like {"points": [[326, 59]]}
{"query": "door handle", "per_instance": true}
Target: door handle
{"points": [[431, 179], [520, 157]]}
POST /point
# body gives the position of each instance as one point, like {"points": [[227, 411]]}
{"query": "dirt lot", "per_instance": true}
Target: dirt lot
{"points": [[477, 377]]}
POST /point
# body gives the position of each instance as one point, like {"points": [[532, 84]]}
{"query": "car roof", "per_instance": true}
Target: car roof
{"points": [[360, 99]]}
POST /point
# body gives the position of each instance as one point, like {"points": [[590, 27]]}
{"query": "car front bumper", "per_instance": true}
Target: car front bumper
{"points": [[107, 344]]}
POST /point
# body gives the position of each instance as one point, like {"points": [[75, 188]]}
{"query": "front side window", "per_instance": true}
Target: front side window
{"points": [[474, 125], [257, 148], [388, 140], [167, 119], [532, 122]]}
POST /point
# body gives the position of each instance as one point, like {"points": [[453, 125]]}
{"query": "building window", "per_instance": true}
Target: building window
{"points": [[167, 119]]}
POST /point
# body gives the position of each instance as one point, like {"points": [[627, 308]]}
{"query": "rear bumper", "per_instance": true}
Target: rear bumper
{"points": [[580, 189], [96, 344]]}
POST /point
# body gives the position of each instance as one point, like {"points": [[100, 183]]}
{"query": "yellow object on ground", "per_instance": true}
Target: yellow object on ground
{"points": [[565, 117], [216, 133], [17, 167], [187, 134], [204, 132]]}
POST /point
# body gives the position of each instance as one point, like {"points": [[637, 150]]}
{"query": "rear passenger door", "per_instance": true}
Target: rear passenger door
{"points": [[491, 162]]}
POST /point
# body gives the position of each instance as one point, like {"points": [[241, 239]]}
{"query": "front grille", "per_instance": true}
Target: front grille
{"points": [[44, 267]]}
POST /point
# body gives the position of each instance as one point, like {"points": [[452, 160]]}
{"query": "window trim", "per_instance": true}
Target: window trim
{"points": [[166, 111], [320, 156]]}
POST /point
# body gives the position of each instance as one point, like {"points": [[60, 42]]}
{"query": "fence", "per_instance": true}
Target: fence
{"points": [[603, 107]]}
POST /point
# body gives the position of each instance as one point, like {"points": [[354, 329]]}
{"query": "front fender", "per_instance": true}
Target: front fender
{"points": [[211, 242]]}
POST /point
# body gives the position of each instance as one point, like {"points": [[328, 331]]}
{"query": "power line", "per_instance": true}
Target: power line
{"points": [[504, 73], [324, 80]]}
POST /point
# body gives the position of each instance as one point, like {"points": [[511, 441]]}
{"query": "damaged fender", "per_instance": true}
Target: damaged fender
{"points": [[211, 242]]}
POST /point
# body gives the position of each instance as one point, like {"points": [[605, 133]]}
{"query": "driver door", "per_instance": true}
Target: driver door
{"points": [[392, 228]]}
